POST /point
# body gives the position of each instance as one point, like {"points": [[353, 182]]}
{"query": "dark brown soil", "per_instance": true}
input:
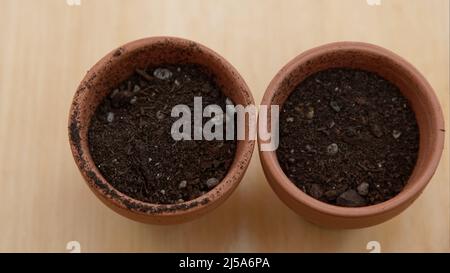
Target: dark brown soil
{"points": [[348, 137], [131, 143]]}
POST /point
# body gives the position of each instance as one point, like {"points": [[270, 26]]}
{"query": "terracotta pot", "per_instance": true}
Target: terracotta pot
{"points": [[116, 67], [412, 85]]}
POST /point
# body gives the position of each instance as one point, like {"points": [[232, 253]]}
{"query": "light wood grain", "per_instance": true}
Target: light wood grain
{"points": [[47, 46]]}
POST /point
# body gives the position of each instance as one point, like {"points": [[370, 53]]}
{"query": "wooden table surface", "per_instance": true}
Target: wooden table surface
{"points": [[47, 46]]}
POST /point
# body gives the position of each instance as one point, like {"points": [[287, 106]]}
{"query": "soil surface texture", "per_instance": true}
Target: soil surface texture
{"points": [[131, 143], [348, 137]]}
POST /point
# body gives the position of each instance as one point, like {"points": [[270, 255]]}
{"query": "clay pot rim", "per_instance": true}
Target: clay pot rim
{"points": [[107, 193], [271, 162]]}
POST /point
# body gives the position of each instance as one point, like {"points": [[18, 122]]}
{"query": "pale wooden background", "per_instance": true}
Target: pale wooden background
{"points": [[47, 46]]}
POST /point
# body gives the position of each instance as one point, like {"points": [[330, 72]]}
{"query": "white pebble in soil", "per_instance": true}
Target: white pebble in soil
{"points": [[162, 73], [110, 117], [212, 182], [310, 113], [310, 148], [332, 149], [182, 184], [363, 188], [396, 134], [160, 115], [335, 106]]}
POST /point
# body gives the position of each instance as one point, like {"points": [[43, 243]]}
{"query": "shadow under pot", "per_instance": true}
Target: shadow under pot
{"points": [[361, 133], [136, 138]]}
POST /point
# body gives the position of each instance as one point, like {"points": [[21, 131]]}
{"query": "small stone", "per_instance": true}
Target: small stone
{"points": [[331, 194], [212, 182], [110, 117], [150, 159], [163, 191], [290, 119], [363, 188], [396, 134], [310, 113], [162, 73], [332, 149], [309, 148], [160, 115], [182, 184], [351, 198], [177, 82], [180, 200], [335, 106], [136, 88], [315, 191], [133, 100], [292, 160], [376, 130]]}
